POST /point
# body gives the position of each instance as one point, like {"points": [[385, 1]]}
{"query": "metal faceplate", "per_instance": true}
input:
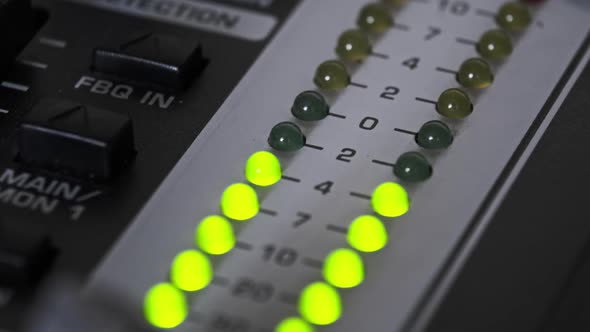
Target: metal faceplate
{"points": [[443, 208]]}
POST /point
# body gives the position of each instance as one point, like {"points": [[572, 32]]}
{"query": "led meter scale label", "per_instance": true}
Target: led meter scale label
{"points": [[235, 22]]}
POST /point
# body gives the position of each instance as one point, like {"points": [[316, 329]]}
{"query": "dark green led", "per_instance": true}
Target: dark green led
{"points": [[434, 135], [412, 167], [495, 45], [454, 104], [513, 16], [475, 73], [332, 75], [353, 45], [310, 106], [375, 18], [287, 137]]}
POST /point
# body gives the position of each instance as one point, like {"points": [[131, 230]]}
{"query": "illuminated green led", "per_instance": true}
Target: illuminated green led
{"points": [[367, 234], [344, 268], [215, 235], [191, 271], [165, 306], [239, 202], [263, 169], [320, 304], [390, 200], [294, 324]]}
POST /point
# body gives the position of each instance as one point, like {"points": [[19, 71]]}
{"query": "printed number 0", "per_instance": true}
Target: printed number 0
{"points": [[458, 8]]}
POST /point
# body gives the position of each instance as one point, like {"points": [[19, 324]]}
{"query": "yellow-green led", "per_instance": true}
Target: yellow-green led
{"points": [[390, 200], [495, 44], [239, 202], [263, 169], [514, 16], [215, 235], [353, 45], [454, 104], [191, 271], [375, 18], [344, 268], [165, 306], [294, 324], [320, 304], [331, 75], [367, 234], [475, 73]]}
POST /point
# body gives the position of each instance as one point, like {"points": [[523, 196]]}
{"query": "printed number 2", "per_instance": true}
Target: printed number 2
{"points": [[390, 92], [346, 155]]}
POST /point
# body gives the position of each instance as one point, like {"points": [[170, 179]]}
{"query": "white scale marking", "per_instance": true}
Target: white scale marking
{"points": [[14, 86], [53, 42], [34, 64], [88, 196], [4, 112]]}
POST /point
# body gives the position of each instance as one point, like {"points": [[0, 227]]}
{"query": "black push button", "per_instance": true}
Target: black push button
{"points": [[25, 254], [16, 28], [76, 139], [165, 60]]}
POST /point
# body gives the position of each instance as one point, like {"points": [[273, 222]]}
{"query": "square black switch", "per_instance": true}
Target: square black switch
{"points": [[170, 61], [76, 139], [26, 252], [16, 29]]}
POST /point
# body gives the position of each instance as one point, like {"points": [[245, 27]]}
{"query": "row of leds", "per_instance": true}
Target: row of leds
{"points": [[354, 46], [320, 303], [166, 304], [474, 74]]}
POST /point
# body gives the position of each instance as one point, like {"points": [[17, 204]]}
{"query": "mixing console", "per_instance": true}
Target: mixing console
{"points": [[257, 166]]}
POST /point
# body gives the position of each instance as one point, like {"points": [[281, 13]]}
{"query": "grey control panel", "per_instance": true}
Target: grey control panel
{"points": [[123, 123], [350, 153]]}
